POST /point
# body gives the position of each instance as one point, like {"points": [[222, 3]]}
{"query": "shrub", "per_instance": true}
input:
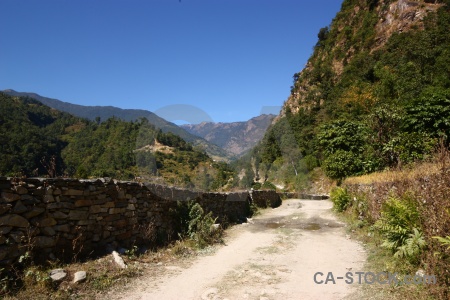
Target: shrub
{"points": [[399, 225], [340, 198], [268, 186], [201, 229]]}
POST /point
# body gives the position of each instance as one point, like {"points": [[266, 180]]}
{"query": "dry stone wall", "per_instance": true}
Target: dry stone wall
{"points": [[63, 218]]}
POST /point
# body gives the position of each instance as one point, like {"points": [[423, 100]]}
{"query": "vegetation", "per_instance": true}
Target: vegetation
{"points": [[403, 216], [29, 281], [39, 141], [358, 106]]}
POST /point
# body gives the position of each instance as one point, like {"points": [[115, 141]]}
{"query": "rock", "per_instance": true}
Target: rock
{"points": [[17, 236], [78, 215], [214, 227], [79, 276], [46, 222], [63, 228], [44, 242], [5, 230], [35, 211], [58, 274], [19, 208], [21, 190], [209, 294], [14, 221], [10, 197], [48, 231], [4, 208], [72, 192], [95, 209], [48, 199], [60, 215], [119, 260], [420, 273], [83, 202], [4, 251]]}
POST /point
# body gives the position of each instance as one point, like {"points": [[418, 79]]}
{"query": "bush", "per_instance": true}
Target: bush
{"points": [[340, 198], [268, 186], [342, 164], [201, 229], [399, 225]]}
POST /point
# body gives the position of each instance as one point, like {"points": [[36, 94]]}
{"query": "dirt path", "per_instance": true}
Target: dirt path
{"points": [[275, 256]]}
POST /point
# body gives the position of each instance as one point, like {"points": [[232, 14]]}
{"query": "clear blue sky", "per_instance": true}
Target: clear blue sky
{"points": [[229, 58]]}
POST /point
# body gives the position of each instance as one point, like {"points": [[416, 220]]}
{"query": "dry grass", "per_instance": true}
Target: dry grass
{"points": [[427, 184], [411, 172], [103, 274]]}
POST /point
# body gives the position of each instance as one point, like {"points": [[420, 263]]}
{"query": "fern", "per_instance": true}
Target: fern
{"points": [[340, 198], [398, 224], [412, 247], [445, 241]]}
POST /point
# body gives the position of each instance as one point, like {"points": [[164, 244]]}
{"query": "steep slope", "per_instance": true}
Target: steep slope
{"points": [[374, 94], [237, 137], [105, 112], [36, 140]]}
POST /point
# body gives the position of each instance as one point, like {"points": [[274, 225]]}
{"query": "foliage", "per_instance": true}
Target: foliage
{"points": [[412, 247], [196, 225], [445, 241], [399, 225], [268, 186], [360, 107], [341, 164], [39, 141], [340, 198]]}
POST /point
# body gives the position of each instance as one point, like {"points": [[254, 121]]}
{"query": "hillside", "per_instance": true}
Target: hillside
{"points": [[106, 112], [37, 140], [374, 94], [237, 137]]}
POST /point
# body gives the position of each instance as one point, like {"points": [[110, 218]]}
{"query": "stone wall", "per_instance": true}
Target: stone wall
{"points": [[265, 198], [303, 196], [61, 218]]}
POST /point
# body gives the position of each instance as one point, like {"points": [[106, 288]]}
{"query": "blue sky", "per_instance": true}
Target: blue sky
{"points": [[231, 59]]}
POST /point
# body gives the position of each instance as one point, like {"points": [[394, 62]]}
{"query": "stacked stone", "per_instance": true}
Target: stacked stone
{"points": [[64, 218], [265, 198]]}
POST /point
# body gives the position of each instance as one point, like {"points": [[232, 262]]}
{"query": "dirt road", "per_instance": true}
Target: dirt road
{"points": [[274, 256]]}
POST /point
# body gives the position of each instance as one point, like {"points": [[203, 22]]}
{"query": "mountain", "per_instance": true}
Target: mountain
{"points": [[374, 94], [105, 112], [36, 140], [237, 137]]}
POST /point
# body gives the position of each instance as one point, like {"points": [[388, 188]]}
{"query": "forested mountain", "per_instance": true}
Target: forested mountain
{"points": [[374, 94], [106, 112], [236, 137], [36, 140]]}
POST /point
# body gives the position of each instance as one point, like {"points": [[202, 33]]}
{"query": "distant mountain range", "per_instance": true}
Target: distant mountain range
{"points": [[221, 141], [105, 112], [237, 138]]}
